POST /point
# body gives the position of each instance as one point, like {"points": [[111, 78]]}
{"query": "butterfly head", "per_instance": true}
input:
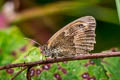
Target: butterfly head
{"points": [[44, 50]]}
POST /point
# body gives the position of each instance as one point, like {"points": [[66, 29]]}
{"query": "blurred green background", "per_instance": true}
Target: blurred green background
{"points": [[40, 19]]}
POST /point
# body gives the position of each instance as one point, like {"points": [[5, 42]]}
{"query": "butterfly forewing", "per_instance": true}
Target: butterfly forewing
{"points": [[76, 38]]}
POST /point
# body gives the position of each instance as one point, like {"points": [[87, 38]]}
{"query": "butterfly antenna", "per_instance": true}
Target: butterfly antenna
{"points": [[33, 41]]}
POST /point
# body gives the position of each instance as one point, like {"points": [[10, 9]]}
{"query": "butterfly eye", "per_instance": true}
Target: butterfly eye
{"points": [[81, 25]]}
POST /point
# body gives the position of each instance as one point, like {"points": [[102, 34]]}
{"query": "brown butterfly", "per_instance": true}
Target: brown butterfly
{"points": [[78, 37]]}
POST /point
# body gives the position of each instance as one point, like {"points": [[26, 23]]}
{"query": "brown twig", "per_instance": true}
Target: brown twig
{"points": [[82, 57], [28, 76], [18, 73]]}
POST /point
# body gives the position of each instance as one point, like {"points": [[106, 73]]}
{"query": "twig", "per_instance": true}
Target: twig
{"points": [[28, 76], [18, 73], [82, 57]]}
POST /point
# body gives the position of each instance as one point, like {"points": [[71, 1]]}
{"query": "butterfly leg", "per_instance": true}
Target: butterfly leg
{"points": [[55, 57]]}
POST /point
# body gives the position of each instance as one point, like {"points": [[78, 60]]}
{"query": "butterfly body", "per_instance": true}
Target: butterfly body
{"points": [[76, 38]]}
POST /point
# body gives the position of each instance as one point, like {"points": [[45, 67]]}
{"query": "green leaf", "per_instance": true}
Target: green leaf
{"points": [[11, 40], [112, 67], [33, 54]]}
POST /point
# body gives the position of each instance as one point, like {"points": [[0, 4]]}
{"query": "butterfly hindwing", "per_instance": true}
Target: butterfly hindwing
{"points": [[76, 38]]}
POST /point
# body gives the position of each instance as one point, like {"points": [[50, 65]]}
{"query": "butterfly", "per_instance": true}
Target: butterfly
{"points": [[76, 38]]}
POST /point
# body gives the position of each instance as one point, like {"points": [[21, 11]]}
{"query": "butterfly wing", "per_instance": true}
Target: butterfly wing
{"points": [[76, 38]]}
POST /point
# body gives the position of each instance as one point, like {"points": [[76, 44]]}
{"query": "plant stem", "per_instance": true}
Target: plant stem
{"points": [[52, 60]]}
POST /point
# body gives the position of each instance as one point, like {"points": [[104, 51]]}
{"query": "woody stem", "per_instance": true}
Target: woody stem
{"points": [[52, 60]]}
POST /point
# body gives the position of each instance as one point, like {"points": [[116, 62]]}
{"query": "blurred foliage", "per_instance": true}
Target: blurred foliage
{"points": [[71, 8], [39, 19], [118, 8], [1, 3], [11, 40]]}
